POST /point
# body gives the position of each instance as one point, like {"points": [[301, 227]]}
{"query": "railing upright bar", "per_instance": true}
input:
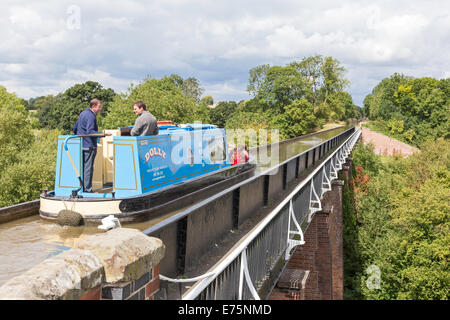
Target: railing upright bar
{"points": [[241, 276]]}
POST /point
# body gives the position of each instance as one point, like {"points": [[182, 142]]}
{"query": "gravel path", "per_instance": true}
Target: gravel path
{"points": [[385, 145]]}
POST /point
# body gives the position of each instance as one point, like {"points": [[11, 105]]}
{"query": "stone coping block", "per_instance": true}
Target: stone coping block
{"points": [[121, 254], [125, 253], [65, 276]]}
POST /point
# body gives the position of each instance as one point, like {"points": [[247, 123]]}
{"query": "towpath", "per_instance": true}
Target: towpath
{"points": [[385, 145]]}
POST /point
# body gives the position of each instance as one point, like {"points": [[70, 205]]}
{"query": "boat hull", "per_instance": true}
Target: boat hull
{"points": [[146, 206]]}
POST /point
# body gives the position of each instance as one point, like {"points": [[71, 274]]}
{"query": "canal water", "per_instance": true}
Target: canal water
{"points": [[26, 242]]}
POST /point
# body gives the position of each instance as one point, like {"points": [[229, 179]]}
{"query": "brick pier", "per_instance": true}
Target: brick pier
{"points": [[316, 269]]}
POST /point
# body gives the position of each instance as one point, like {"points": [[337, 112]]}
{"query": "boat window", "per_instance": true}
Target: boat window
{"points": [[217, 151]]}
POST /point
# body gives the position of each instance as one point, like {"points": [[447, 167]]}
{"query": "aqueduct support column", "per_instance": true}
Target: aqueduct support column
{"points": [[316, 269]]}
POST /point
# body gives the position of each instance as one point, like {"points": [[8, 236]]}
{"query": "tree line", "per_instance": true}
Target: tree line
{"points": [[298, 98], [410, 109]]}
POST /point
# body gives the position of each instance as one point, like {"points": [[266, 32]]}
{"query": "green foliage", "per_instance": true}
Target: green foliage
{"points": [[190, 86], [403, 213], [298, 118], [243, 121], [247, 120], [351, 252], [15, 129], [40, 102], [23, 174], [168, 98], [62, 111], [222, 112], [333, 77], [207, 100], [364, 157], [281, 86], [410, 109], [24, 179], [301, 96]]}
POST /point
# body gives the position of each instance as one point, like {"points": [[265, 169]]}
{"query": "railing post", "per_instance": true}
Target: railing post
{"points": [[266, 189], [181, 245], [236, 199]]}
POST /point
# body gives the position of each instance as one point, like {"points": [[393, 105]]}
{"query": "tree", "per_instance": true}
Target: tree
{"points": [[40, 102], [257, 78], [63, 111], [277, 86], [15, 129], [191, 89], [382, 103], [333, 77], [207, 100], [222, 112], [311, 69], [165, 98], [298, 119], [341, 106], [410, 109], [27, 177], [23, 174], [44, 105], [315, 78]]}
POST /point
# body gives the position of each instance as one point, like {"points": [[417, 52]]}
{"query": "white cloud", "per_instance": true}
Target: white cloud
{"points": [[13, 68], [228, 90]]}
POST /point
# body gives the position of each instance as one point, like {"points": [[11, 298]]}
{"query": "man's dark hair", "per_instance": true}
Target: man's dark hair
{"points": [[140, 104], [94, 102]]}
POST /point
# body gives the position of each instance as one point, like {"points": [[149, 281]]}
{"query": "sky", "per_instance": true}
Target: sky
{"points": [[47, 46]]}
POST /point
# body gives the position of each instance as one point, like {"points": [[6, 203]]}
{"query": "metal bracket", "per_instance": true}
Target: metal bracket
{"points": [[326, 185], [291, 243], [333, 171], [340, 160], [245, 274], [313, 209]]}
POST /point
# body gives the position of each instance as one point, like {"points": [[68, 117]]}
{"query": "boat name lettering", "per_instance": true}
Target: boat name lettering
{"points": [[153, 152]]}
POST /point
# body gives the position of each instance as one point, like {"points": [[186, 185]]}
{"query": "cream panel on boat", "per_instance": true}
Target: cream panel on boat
{"points": [[108, 154], [103, 163], [97, 177], [85, 208]]}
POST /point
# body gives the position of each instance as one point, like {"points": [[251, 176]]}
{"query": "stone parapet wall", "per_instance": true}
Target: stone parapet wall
{"points": [[120, 264]]}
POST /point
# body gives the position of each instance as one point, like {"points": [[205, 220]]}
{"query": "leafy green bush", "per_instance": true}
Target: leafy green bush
{"points": [[27, 177], [27, 160]]}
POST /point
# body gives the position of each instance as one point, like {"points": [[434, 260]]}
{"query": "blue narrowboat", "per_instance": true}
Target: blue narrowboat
{"points": [[139, 177]]}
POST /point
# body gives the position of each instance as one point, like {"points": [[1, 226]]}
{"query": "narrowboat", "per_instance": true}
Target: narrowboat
{"points": [[137, 178]]}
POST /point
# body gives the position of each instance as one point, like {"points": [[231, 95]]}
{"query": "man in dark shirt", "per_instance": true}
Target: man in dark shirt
{"points": [[87, 124]]}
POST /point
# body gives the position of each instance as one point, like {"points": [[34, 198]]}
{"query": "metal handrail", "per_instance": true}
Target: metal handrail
{"points": [[241, 248]]}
